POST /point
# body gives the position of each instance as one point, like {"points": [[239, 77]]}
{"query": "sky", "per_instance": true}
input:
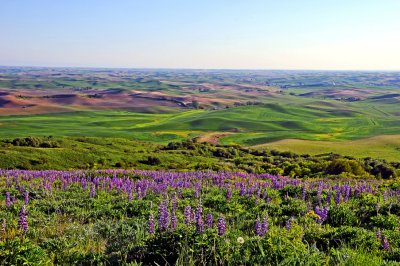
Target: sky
{"points": [[203, 34]]}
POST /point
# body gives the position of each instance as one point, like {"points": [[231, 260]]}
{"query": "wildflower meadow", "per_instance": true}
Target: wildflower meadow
{"points": [[137, 217]]}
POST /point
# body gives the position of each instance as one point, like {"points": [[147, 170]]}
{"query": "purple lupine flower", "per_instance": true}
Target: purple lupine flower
{"points": [[303, 193], [385, 244], [228, 194], [328, 197], [92, 191], [337, 197], [174, 202], [163, 216], [199, 219], [319, 194], [322, 213], [83, 183], [258, 194], [199, 225], [258, 228], [197, 190], [130, 196], [379, 234], [65, 184], [151, 224], [288, 224], [23, 220], [8, 199], [21, 189], [26, 197], [174, 221], [221, 226], [268, 200], [209, 220], [193, 215], [242, 190], [347, 192], [264, 195], [188, 215], [264, 226]]}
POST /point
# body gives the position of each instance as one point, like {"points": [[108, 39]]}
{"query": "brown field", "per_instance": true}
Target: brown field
{"points": [[18, 102], [38, 101]]}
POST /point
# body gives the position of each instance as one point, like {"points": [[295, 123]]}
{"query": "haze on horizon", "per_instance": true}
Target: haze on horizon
{"points": [[258, 34]]}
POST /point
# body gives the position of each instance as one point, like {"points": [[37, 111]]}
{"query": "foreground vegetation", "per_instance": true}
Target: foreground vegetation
{"points": [[197, 218]]}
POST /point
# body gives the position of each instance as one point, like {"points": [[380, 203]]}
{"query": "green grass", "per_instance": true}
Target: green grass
{"points": [[269, 119], [101, 153], [291, 118], [380, 147], [95, 124]]}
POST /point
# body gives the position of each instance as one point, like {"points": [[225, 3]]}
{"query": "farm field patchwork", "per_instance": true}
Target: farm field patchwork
{"points": [[266, 105], [270, 125]]}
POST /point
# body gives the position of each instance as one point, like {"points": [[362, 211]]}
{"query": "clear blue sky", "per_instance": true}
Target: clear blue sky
{"points": [[251, 34]]}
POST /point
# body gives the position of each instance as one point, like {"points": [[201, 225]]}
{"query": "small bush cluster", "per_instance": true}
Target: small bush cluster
{"points": [[35, 142]]}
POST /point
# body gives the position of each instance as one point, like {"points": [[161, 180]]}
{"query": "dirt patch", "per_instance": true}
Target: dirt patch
{"points": [[213, 137]]}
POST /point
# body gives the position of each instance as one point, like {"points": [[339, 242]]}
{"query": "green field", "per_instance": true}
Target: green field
{"points": [[312, 120], [385, 147], [254, 124]]}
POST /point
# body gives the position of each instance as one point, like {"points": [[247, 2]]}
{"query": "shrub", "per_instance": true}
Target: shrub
{"points": [[339, 166], [152, 160]]}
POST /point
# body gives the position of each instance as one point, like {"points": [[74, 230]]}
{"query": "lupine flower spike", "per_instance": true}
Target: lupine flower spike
{"points": [[23, 220], [221, 226]]}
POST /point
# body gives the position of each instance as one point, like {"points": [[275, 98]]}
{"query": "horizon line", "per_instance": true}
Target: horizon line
{"points": [[204, 69]]}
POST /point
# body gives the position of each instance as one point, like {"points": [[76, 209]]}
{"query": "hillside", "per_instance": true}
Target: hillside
{"points": [[303, 111]]}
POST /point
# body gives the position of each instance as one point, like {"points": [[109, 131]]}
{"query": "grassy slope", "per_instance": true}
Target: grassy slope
{"points": [[380, 147], [291, 118], [92, 153]]}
